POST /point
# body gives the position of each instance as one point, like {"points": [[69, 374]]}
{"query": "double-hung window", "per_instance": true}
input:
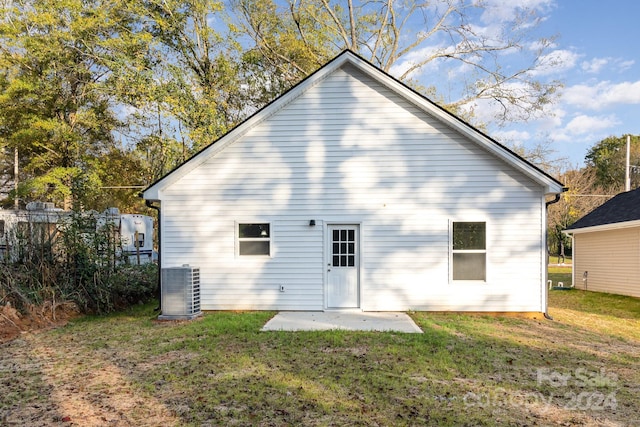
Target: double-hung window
{"points": [[254, 239], [469, 251]]}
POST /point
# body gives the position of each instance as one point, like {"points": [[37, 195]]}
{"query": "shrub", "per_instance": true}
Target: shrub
{"points": [[73, 259]]}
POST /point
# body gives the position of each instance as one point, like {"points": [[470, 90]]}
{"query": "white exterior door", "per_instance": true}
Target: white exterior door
{"points": [[343, 266]]}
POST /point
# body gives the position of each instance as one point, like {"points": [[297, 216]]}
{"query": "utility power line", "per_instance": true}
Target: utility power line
{"points": [[126, 186]]}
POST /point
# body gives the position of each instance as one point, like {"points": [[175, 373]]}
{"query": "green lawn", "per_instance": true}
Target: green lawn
{"points": [[560, 274], [554, 259], [128, 369]]}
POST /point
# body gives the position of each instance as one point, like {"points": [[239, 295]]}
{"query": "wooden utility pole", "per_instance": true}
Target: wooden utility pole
{"points": [[16, 200], [627, 177]]}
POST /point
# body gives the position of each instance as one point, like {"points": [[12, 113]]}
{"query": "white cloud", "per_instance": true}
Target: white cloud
{"points": [[482, 110], [552, 120], [511, 136], [410, 59], [506, 10], [602, 95], [538, 44], [585, 130], [624, 65], [584, 124], [595, 65], [555, 62]]}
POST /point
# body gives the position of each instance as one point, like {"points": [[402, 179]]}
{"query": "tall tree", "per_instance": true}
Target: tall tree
{"points": [[403, 37], [60, 59], [583, 195], [196, 82], [608, 159]]}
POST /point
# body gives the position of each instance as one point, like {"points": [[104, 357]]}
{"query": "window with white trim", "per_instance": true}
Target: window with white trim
{"points": [[254, 239], [469, 251]]}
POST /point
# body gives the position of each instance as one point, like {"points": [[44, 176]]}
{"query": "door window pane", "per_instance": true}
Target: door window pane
{"points": [[343, 248]]}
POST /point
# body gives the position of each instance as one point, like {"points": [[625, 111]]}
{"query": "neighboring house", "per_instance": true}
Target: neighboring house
{"points": [[606, 247], [352, 191]]}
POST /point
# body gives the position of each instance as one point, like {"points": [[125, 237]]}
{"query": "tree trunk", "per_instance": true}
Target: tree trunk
{"points": [[16, 199]]}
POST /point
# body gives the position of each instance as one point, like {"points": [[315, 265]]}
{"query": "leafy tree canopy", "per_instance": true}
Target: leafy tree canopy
{"points": [[87, 86], [608, 159]]}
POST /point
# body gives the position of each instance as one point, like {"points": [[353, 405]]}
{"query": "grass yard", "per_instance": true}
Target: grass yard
{"points": [[560, 274], [128, 369], [554, 259]]}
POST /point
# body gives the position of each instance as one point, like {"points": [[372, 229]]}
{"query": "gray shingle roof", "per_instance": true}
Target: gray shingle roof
{"points": [[622, 208]]}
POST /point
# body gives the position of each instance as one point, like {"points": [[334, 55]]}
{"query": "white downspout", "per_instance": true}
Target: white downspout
{"points": [[546, 255]]}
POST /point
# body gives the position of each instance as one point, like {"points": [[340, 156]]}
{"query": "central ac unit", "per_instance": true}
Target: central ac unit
{"points": [[180, 288]]}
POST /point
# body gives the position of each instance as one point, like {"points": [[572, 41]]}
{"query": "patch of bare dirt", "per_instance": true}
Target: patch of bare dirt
{"points": [[49, 315], [49, 380]]}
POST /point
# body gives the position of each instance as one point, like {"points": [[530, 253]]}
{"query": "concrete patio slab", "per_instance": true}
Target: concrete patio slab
{"points": [[346, 320]]}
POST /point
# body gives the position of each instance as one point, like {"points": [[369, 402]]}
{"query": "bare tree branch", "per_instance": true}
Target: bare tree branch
{"points": [[338, 24]]}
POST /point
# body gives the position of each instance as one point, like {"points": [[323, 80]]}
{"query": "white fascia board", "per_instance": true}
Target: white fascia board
{"points": [[604, 227], [550, 185], [151, 194]]}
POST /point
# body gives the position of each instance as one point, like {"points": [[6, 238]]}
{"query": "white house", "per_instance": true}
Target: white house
{"points": [[352, 191]]}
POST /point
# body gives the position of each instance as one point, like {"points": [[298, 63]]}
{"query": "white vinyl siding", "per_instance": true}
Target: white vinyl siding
{"points": [[349, 150], [612, 259]]}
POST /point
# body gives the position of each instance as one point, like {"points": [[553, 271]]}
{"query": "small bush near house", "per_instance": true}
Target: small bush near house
{"points": [[71, 261]]}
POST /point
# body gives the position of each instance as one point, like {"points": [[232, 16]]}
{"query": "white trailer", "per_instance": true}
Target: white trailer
{"points": [[42, 223], [136, 238]]}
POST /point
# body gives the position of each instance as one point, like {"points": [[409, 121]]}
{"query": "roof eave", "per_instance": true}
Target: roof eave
{"points": [[604, 227]]}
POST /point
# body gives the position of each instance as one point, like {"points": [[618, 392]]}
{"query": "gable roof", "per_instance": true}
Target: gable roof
{"points": [[622, 210], [550, 184]]}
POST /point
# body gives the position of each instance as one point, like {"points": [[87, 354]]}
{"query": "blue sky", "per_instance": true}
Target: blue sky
{"points": [[594, 55], [599, 43], [598, 46]]}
